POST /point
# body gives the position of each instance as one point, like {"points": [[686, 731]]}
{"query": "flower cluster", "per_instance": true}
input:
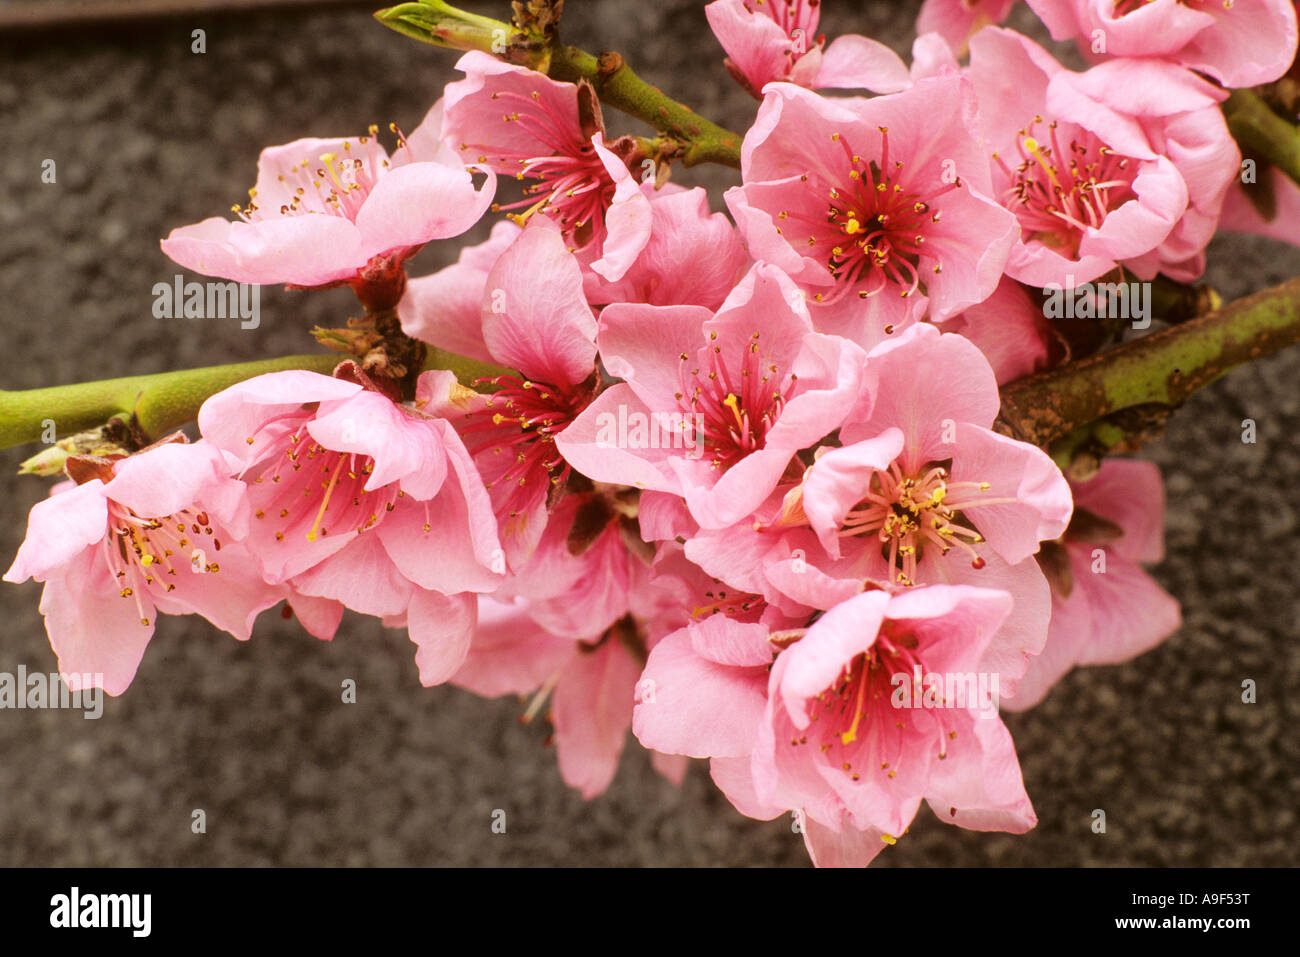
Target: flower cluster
{"points": [[734, 484]]}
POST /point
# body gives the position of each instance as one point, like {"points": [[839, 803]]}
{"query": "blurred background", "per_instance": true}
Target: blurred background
{"points": [[148, 136]]}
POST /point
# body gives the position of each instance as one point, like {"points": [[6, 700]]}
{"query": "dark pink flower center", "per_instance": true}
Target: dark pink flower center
{"points": [[854, 722], [875, 225], [733, 410], [309, 490], [908, 514], [143, 553], [525, 417], [790, 15], [569, 183], [1058, 192], [335, 184]]}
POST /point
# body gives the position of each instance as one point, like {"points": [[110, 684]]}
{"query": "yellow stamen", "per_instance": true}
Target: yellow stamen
{"points": [[732, 403], [325, 503]]}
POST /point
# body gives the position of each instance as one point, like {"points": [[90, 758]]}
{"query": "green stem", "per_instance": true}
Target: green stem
{"points": [[1159, 370], [165, 401], [1260, 131], [161, 402], [702, 140], [435, 22]]}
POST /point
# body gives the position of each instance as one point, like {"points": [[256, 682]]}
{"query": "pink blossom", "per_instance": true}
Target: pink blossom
{"points": [[815, 719], [327, 461], [877, 208], [747, 388], [706, 689], [533, 318], [857, 769], [521, 123], [770, 40], [1239, 42], [958, 20], [325, 210], [1150, 161], [1105, 608], [154, 533], [922, 491]]}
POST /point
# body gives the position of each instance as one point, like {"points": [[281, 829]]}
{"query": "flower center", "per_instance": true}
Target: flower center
{"points": [[736, 605], [525, 418], [316, 489], [790, 15], [1058, 194], [331, 183], [875, 225], [907, 513], [733, 410], [569, 183], [143, 553], [856, 726]]}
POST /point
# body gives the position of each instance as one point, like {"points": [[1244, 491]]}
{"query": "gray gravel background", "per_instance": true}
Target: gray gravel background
{"points": [[148, 136]]}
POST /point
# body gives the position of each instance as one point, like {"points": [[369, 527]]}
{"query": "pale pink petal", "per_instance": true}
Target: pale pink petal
{"points": [[93, 630], [1016, 470], [735, 780], [671, 767], [1131, 494], [361, 576], [593, 711], [510, 653], [445, 309], [535, 317], [59, 529], [689, 704], [302, 250], [753, 41], [840, 479], [405, 449], [1130, 612], [320, 617], [854, 62], [850, 846], [440, 626], [627, 220], [960, 387], [235, 415], [419, 202], [979, 785]]}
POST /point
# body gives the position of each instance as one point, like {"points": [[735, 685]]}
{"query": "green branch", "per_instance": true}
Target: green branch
{"points": [[161, 402], [702, 141], [1260, 131], [165, 401], [534, 45], [1157, 372]]}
